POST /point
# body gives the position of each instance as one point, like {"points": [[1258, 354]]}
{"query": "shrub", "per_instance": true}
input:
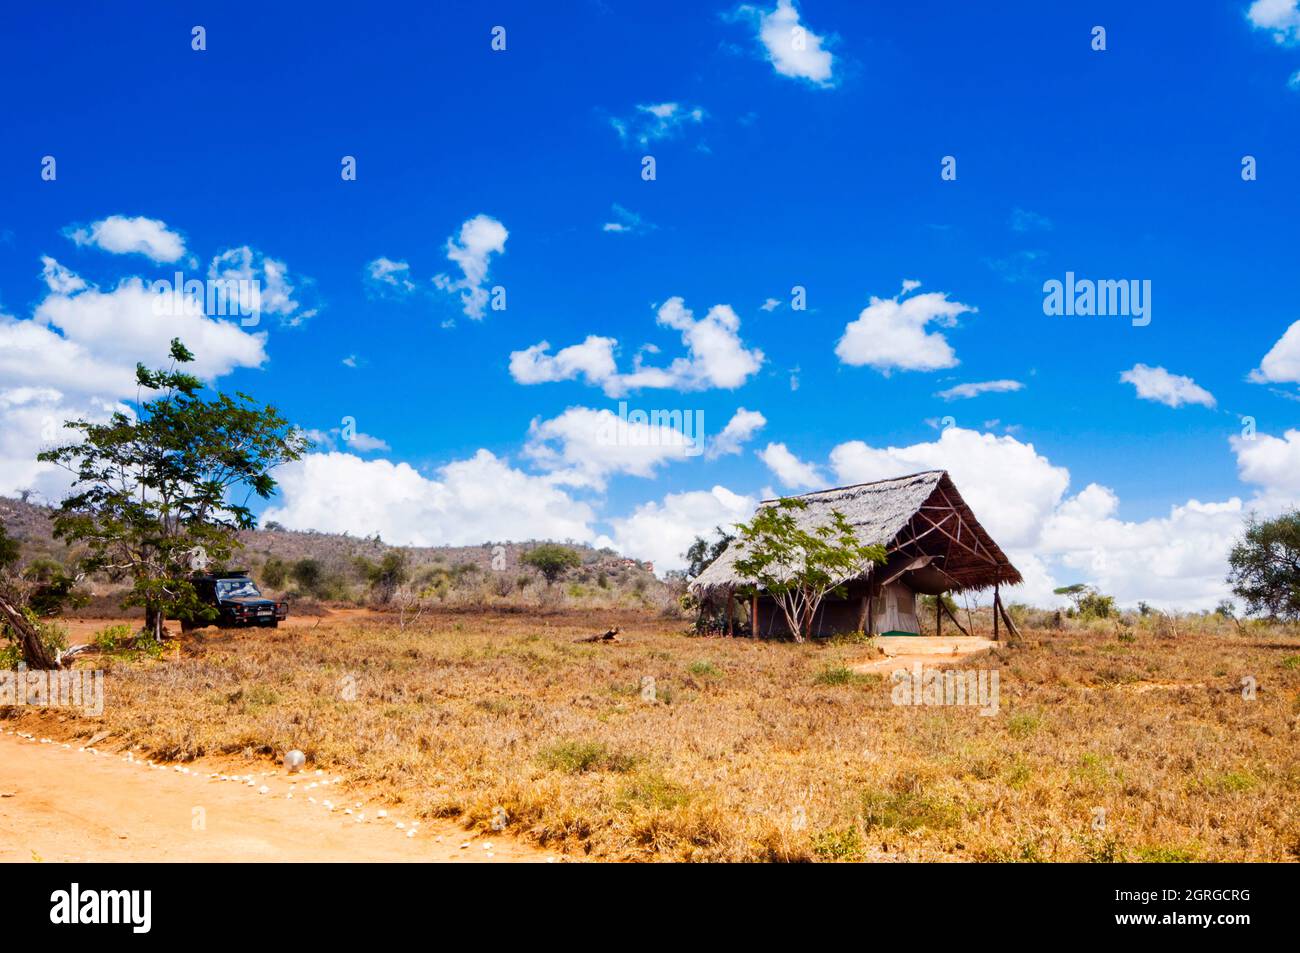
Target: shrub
{"points": [[578, 757]]}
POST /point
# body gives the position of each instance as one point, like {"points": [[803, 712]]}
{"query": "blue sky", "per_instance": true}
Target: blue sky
{"points": [[776, 167]]}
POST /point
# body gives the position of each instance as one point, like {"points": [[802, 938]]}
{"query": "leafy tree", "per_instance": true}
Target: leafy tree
{"points": [[386, 576], [155, 492], [798, 566], [52, 588], [551, 560], [703, 553], [1088, 602], [309, 575], [1264, 567], [274, 572], [10, 549]]}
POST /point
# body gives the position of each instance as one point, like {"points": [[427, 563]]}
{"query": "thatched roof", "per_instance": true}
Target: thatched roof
{"points": [[913, 517]]}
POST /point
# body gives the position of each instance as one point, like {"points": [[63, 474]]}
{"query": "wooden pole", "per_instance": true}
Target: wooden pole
{"points": [[731, 608], [753, 616], [938, 614], [997, 605]]}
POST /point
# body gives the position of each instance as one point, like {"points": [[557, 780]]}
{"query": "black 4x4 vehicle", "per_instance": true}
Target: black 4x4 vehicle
{"points": [[237, 600]]}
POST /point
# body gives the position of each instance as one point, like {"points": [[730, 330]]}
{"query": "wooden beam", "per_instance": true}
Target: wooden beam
{"points": [[996, 605], [948, 612]]}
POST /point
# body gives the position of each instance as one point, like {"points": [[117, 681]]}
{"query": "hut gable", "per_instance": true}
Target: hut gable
{"points": [[922, 521]]}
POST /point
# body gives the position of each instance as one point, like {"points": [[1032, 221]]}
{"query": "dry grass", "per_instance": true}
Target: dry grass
{"points": [[763, 751]]}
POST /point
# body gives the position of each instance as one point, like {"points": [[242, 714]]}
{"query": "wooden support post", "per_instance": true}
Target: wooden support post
{"points": [[997, 606], [938, 615], [871, 612], [753, 616], [731, 608]]}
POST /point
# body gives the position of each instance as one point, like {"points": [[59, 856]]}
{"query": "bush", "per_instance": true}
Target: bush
{"points": [[578, 757]]}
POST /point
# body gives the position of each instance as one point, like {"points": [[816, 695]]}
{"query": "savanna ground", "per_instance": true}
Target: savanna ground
{"points": [[752, 750]]}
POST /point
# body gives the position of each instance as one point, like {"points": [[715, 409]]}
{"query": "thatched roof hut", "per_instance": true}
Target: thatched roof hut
{"points": [[932, 538]]}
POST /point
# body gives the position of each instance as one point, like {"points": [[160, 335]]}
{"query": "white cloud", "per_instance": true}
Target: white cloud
{"points": [[592, 360], [265, 285], [470, 501], [1280, 17], [1281, 365], [1023, 220], [121, 235], [663, 531], [76, 357], [789, 469], [1272, 463], [1174, 561], [626, 222], [60, 279], [716, 357], [771, 304], [653, 122], [1011, 487], [481, 237], [1172, 390], [386, 273], [890, 333], [792, 48], [739, 430], [357, 441], [965, 391], [584, 446]]}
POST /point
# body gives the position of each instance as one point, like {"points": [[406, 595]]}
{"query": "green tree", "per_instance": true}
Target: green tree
{"points": [[1264, 567], [309, 575], [274, 572], [1089, 603], [156, 493], [800, 565], [551, 560], [386, 576], [703, 552]]}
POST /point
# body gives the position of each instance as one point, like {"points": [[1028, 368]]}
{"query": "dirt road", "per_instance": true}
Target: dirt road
{"points": [[58, 803]]}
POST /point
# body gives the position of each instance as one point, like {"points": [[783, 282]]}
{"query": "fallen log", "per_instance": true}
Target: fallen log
{"points": [[610, 636]]}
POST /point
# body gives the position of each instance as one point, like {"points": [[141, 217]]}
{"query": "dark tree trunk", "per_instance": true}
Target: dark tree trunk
{"points": [[35, 654], [153, 622]]}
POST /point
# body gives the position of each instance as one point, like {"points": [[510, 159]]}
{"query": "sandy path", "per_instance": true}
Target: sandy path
{"points": [[904, 651], [61, 804]]}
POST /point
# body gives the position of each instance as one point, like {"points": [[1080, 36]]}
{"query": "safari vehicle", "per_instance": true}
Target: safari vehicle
{"points": [[237, 601]]}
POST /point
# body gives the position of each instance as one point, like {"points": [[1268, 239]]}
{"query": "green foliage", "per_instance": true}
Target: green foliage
{"points": [[309, 576], [157, 489], [798, 566], [551, 560], [702, 553], [907, 811], [275, 572], [703, 669], [1088, 602], [838, 845], [10, 550], [386, 576], [578, 757], [51, 589], [1264, 567]]}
